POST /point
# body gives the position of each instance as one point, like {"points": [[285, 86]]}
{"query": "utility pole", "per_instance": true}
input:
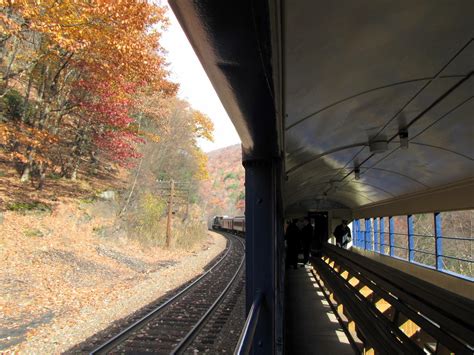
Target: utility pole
{"points": [[177, 193], [170, 214]]}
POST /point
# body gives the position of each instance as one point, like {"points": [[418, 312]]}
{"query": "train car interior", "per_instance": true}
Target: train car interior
{"points": [[358, 111]]}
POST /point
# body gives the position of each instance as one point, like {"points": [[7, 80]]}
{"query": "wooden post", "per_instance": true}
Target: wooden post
{"points": [[170, 213]]}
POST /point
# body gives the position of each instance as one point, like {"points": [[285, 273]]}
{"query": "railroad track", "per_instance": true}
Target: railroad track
{"points": [[192, 317]]}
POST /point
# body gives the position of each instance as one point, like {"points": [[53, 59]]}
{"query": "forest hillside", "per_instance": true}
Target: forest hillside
{"points": [[224, 189]]}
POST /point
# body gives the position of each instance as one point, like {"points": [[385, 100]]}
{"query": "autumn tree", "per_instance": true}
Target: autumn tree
{"points": [[171, 152], [77, 66], [84, 86], [172, 135]]}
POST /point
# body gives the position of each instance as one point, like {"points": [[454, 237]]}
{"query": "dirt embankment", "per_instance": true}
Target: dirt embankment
{"points": [[63, 278]]}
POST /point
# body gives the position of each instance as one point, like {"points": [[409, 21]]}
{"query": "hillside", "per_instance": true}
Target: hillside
{"points": [[224, 190], [64, 277]]}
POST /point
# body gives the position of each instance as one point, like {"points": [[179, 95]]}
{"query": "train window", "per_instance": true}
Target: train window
{"points": [[443, 241], [424, 239], [457, 242], [400, 237], [361, 236], [385, 229], [371, 241], [378, 234]]}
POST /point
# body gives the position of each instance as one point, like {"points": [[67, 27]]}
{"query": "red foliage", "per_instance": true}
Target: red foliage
{"points": [[105, 109], [119, 146]]}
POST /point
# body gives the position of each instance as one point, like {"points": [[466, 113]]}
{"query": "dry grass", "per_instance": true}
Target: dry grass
{"points": [[147, 223]]}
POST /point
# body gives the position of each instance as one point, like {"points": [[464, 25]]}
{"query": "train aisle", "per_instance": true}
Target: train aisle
{"points": [[311, 326]]}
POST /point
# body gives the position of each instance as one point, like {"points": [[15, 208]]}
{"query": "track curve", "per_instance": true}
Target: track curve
{"points": [[173, 326]]}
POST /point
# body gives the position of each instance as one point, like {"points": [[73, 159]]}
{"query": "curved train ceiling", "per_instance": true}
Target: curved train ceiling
{"points": [[357, 72], [339, 82]]}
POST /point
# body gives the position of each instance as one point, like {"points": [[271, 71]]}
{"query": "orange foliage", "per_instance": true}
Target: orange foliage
{"points": [[83, 63], [116, 36], [40, 142], [203, 126]]}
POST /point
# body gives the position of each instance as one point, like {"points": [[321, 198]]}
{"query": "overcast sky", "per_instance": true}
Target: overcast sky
{"points": [[195, 87]]}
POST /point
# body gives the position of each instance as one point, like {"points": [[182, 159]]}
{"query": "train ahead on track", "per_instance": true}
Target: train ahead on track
{"points": [[229, 224]]}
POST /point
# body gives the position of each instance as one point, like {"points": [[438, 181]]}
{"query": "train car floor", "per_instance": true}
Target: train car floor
{"points": [[310, 325]]}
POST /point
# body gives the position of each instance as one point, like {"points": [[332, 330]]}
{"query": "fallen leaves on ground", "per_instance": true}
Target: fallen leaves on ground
{"points": [[55, 267]]}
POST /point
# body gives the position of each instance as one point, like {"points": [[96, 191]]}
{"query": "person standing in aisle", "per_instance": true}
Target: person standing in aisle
{"points": [[342, 234], [306, 239]]}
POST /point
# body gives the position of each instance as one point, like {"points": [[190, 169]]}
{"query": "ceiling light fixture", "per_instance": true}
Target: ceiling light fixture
{"points": [[403, 135], [357, 173], [378, 146]]}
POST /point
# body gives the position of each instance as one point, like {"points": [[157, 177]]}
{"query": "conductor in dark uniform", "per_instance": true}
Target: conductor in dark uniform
{"points": [[342, 234], [307, 237]]}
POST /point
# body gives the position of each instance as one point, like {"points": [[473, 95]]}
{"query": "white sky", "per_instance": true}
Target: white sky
{"points": [[195, 87]]}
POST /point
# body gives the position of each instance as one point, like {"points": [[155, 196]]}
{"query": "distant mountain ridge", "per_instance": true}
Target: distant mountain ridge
{"points": [[224, 190]]}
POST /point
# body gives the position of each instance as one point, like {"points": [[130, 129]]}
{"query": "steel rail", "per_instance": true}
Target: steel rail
{"points": [[246, 336], [188, 338], [124, 334]]}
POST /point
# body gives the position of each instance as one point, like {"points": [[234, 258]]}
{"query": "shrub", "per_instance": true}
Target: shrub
{"points": [[88, 199], [232, 176], [12, 105], [234, 186], [100, 231], [149, 225], [33, 233], [28, 206], [54, 176]]}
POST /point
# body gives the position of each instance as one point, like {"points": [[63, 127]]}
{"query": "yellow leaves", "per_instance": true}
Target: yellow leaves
{"points": [[4, 134], [115, 35], [18, 156], [8, 26], [27, 139], [150, 136], [203, 126], [201, 161]]}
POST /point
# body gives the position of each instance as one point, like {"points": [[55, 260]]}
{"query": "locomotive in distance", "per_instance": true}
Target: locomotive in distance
{"points": [[229, 224]]}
